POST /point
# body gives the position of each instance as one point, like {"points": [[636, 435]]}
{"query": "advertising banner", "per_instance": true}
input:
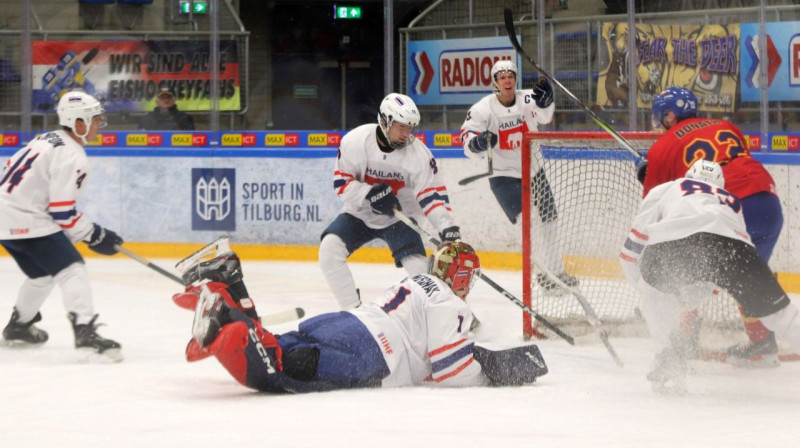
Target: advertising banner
{"points": [[455, 71], [701, 58], [782, 66], [128, 75]]}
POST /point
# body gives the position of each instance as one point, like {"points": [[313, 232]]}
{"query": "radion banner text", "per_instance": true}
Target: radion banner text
{"points": [[129, 74], [455, 71]]}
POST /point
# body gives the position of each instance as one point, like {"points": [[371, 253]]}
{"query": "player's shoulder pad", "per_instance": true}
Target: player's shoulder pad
{"points": [[511, 367]]}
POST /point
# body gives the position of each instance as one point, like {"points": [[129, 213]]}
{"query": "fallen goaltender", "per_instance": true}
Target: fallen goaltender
{"points": [[417, 333]]}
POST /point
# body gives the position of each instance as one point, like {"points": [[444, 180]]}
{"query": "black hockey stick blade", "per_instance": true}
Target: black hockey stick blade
{"points": [[409, 222], [512, 35], [471, 179]]}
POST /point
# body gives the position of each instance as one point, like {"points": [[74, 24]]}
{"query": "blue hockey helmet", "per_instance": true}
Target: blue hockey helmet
{"points": [[681, 102]]}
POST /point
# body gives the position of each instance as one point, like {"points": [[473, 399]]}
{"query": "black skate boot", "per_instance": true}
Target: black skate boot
{"points": [[16, 332], [90, 343], [551, 288], [210, 315], [761, 354]]}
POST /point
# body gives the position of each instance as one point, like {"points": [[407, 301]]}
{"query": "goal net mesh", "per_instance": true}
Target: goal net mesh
{"points": [[579, 227]]}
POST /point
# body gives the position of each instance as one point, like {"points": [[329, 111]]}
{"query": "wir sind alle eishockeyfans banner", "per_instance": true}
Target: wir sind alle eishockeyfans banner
{"points": [[129, 74]]}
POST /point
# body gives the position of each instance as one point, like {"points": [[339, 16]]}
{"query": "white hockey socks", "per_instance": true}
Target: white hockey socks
{"points": [[333, 263], [662, 313], [76, 291], [31, 296], [786, 325]]}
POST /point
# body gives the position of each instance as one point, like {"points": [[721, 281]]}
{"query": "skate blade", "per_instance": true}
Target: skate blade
{"points": [[217, 247], [16, 344], [89, 355], [755, 362]]}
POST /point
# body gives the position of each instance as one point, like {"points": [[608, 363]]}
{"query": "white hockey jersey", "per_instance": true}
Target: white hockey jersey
{"points": [[422, 329], [676, 210], [509, 124], [39, 187], [412, 172]]}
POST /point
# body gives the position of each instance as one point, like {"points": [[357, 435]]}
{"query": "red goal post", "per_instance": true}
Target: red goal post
{"points": [[595, 195]]}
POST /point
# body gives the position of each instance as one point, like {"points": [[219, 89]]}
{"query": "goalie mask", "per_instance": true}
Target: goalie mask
{"points": [[680, 101], [74, 106], [502, 65], [708, 172], [397, 108], [456, 264]]}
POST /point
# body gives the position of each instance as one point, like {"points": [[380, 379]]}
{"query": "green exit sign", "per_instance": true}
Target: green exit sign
{"points": [[346, 12], [195, 6]]}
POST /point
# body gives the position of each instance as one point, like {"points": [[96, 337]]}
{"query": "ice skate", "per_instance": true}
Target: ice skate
{"points": [[16, 333], [755, 355], [216, 262], [668, 374], [551, 288], [91, 345]]}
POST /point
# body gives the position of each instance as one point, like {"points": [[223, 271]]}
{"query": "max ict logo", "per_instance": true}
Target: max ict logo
{"points": [[9, 139], [214, 199]]}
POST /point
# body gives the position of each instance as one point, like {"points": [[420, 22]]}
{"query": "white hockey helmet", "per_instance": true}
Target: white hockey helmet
{"points": [[398, 108], [708, 172], [77, 105], [503, 65]]}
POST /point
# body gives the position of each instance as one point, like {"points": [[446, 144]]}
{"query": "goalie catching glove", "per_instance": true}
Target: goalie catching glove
{"points": [[382, 200], [483, 142], [103, 241]]}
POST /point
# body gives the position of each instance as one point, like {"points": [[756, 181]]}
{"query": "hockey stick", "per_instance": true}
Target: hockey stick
{"points": [[267, 319], [512, 35], [591, 316], [470, 179], [147, 263], [409, 222]]}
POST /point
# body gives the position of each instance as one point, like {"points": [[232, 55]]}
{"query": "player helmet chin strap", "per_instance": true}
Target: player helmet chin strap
{"points": [[82, 137]]}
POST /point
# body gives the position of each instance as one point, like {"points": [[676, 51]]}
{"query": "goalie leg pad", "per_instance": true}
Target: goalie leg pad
{"points": [[188, 299], [511, 367]]}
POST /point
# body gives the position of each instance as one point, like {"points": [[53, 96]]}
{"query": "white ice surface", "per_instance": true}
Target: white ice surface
{"points": [[154, 398]]}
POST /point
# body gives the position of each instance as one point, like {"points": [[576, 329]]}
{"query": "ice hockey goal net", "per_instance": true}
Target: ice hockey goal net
{"points": [[595, 195]]}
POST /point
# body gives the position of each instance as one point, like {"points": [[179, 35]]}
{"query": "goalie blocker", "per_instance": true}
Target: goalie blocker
{"points": [[367, 346]]}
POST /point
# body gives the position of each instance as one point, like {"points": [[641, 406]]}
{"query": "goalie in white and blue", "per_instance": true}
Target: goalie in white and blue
{"points": [[416, 333]]}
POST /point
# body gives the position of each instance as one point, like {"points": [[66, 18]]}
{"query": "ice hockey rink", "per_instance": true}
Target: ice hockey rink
{"points": [[155, 398]]}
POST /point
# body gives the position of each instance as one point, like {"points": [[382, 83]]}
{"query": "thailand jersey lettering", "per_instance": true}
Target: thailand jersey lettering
{"points": [[39, 188], [444, 356], [716, 140], [412, 173], [509, 124]]}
